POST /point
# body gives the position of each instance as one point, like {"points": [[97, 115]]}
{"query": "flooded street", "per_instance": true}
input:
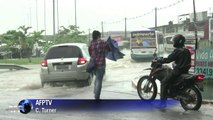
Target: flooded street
{"points": [[17, 85]]}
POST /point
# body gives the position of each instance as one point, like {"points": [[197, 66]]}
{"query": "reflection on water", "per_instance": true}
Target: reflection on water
{"points": [[208, 89]]}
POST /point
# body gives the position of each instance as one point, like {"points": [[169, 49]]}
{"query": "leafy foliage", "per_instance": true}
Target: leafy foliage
{"points": [[10, 37], [70, 34], [21, 37], [24, 41]]}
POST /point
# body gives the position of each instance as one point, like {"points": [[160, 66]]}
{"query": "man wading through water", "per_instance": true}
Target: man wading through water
{"points": [[97, 50]]}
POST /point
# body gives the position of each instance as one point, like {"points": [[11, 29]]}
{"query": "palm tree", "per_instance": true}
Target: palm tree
{"points": [[26, 49]]}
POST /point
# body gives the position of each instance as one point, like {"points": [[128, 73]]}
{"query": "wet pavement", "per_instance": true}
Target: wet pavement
{"points": [[25, 84], [208, 89]]}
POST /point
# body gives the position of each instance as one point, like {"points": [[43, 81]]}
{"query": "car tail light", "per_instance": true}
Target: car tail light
{"points": [[199, 77], [44, 63], [81, 61]]}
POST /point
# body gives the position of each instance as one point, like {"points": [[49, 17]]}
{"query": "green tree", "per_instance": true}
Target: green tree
{"points": [[70, 34], [25, 42], [35, 37], [23, 39], [24, 36], [10, 38]]}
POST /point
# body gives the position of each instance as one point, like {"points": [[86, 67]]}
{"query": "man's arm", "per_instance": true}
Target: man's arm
{"points": [[171, 57], [107, 47]]}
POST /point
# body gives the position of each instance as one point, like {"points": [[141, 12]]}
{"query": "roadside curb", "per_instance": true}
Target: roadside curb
{"points": [[134, 85], [12, 66]]}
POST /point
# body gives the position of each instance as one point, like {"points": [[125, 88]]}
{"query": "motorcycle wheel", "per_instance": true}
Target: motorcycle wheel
{"points": [[147, 90], [193, 99]]}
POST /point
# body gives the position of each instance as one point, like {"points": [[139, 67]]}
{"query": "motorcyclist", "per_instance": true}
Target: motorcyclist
{"points": [[182, 60]]}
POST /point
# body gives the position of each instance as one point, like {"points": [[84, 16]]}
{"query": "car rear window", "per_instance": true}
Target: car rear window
{"points": [[63, 52]]}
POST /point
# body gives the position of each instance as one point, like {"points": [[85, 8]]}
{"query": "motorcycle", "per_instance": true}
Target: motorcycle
{"points": [[186, 88]]}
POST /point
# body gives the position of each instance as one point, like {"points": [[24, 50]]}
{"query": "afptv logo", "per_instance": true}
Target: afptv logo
{"points": [[44, 106], [25, 106], [43, 102]]}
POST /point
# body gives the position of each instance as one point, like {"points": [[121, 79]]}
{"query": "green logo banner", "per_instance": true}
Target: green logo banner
{"points": [[204, 62]]}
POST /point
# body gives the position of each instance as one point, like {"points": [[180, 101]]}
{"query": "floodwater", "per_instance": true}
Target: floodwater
{"points": [[25, 84]]}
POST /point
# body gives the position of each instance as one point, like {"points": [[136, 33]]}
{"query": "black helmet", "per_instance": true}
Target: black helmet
{"points": [[178, 41]]}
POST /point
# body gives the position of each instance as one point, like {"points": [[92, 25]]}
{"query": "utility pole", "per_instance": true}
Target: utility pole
{"points": [[125, 29], [45, 33], [102, 26], [57, 17], [37, 15], [156, 18], [54, 20], [195, 26], [30, 16], [75, 14]]}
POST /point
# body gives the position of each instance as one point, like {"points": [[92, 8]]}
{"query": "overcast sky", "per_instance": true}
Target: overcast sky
{"points": [[90, 13]]}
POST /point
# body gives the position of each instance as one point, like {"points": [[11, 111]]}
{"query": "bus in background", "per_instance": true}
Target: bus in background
{"points": [[144, 43], [168, 44], [118, 38], [189, 44]]}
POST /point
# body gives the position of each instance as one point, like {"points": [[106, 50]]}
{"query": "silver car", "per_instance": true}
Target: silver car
{"points": [[65, 63]]}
